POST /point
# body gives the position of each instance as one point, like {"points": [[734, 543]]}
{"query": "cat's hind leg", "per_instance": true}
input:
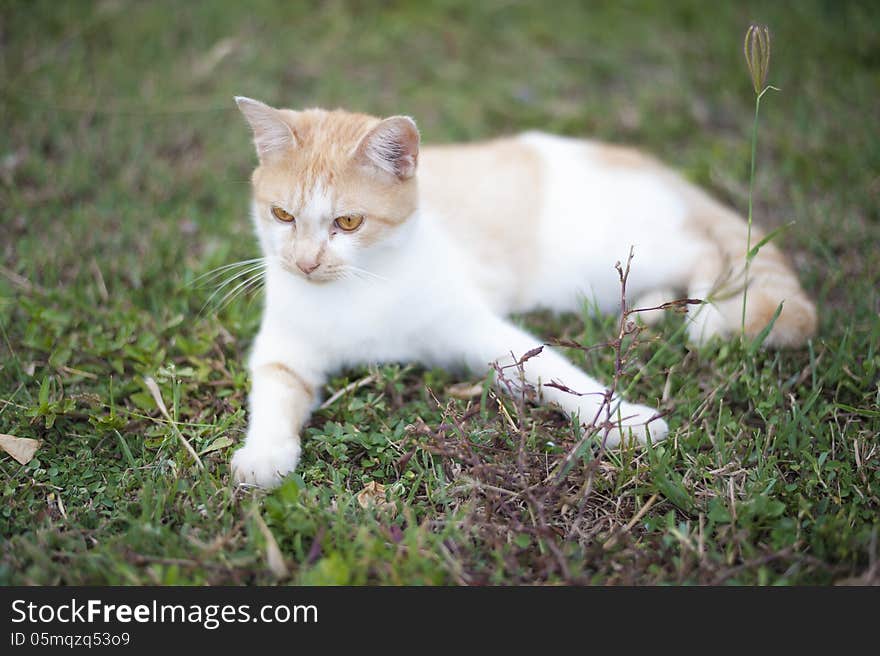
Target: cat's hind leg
{"points": [[772, 287], [720, 275]]}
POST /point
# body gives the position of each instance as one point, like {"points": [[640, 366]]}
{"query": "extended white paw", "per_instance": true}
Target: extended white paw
{"points": [[636, 421], [266, 464]]}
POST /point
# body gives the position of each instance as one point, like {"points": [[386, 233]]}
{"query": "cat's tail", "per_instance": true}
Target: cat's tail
{"points": [[721, 276]]}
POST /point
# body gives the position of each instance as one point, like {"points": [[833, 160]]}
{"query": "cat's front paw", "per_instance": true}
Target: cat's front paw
{"points": [[265, 465], [635, 423]]}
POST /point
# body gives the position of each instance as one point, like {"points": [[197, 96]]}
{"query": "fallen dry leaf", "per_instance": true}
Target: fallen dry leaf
{"points": [[20, 448], [372, 494], [220, 443], [274, 557], [157, 397], [465, 391]]}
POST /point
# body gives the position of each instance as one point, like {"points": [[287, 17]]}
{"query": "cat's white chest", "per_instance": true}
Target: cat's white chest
{"points": [[391, 316]]}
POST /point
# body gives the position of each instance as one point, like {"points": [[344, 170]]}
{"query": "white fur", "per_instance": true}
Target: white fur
{"points": [[581, 242], [421, 303]]}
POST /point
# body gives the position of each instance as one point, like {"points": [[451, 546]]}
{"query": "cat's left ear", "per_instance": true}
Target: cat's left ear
{"points": [[392, 146]]}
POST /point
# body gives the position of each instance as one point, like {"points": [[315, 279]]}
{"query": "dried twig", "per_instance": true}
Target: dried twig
{"points": [[366, 380]]}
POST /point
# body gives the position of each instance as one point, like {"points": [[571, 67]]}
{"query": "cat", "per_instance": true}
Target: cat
{"points": [[379, 250]]}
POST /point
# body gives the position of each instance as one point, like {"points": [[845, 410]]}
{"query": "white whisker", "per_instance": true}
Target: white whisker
{"points": [[252, 271], [363, 273], [239, 289], [219, 271], [233, 278]]}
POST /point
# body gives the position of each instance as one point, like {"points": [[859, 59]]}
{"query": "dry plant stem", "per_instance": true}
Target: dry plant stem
{"points": [[366, 380], [511, 490], [610, 542], [625, 327]]}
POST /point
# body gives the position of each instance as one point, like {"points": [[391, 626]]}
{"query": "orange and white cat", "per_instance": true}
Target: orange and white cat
{"points": [[379, 250]]}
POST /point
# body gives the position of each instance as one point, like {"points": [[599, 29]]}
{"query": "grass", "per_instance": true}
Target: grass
{"points": [[123, 177]]}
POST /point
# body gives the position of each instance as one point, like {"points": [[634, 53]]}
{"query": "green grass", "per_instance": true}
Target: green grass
{"points": [[123, 176]]}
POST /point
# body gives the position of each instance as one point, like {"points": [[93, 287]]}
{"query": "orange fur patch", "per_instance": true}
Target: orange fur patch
{"points": [[626, 157], [461, 181], [287, 375]]}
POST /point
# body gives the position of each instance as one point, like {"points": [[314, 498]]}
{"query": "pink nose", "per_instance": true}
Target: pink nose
{"points": [[306, 266]]}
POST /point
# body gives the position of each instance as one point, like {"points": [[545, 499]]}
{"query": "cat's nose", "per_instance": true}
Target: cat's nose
{"points": [[307, 266]]}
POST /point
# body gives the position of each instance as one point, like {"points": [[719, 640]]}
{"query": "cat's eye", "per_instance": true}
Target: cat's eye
{"points": [[282, 215], [350, 222]]}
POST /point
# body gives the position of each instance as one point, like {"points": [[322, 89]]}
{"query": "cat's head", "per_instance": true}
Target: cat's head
{"points": [[331, 187]]}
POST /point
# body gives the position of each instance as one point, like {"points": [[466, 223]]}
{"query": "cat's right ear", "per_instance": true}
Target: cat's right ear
{"points": [[272, 134]]}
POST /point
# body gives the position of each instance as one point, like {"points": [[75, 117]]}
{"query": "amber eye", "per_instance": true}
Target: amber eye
{"points": [[349, 223], [281, 215]]}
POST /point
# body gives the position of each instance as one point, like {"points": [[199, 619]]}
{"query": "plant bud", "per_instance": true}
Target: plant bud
{"points": [[757, 51]]}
